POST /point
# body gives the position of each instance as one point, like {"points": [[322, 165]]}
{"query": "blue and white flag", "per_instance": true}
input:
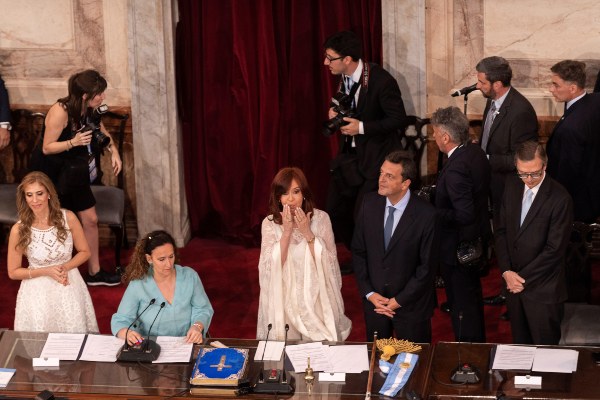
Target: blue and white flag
{"points": [[399, 374]]}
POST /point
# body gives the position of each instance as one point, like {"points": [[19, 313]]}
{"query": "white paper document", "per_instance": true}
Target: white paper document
{"points": [[348, 358], [101, 348], [318, 353], [173, 350], [513, 357], [555, 360], [272, 352], [64, 346], [6, 375]]}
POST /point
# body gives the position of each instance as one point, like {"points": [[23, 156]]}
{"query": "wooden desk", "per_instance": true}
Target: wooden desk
{"points": [[83, 379], [582, 384]]}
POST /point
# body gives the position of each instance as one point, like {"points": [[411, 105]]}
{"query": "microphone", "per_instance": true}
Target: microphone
{"points": [[162, 305], [284, 376], [464, 372], [126, 345], [465, 90], [274, 383], [261, 377], [149, 350]]}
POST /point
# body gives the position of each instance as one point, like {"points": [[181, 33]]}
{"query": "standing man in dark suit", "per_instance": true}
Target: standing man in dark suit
{"points": [[531, 240], [5, 119], [461, 201], [370, 135], [394, 255], [509, 119], [574, 147]]}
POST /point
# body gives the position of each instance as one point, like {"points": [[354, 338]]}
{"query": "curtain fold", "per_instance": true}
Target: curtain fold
{"points": [[252, 96]]}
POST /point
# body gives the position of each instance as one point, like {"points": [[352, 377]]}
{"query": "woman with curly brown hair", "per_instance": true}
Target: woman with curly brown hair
{"points": [[172, 294], [53, 296]]}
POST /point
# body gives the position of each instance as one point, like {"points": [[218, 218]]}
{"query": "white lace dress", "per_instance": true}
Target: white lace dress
{"points": [[43, 304], [305, 292]]}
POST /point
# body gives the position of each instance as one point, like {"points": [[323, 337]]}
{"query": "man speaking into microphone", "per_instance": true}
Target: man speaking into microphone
{"points": [[181, 306]]}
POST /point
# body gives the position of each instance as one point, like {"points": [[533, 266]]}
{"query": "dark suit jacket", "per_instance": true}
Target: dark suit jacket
{"points": [[406, 270], [461, 199], [4, 104], [536, 250], [574, 155], [515, 123], [381, 109]]}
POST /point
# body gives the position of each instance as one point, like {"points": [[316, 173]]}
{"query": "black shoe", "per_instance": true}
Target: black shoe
{"points": [[504, 316], [103, 278], [445, 307], [346, 268], [497, 300]]}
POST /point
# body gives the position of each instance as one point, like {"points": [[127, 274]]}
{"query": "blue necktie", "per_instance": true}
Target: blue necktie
{"points": [[388, 228], [526, 204]]}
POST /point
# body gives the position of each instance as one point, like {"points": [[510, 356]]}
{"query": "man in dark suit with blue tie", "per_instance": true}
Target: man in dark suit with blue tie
{"points": [[370, 134], [531, 241], [461, 201], [394, 255], [574, 146]]}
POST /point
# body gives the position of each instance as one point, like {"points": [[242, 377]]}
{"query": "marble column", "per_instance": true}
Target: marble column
{"points": [[403, 29], [161, 202]]}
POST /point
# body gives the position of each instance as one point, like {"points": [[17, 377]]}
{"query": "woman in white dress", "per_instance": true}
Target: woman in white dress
{"points": [[300, 280], [53, 296]]}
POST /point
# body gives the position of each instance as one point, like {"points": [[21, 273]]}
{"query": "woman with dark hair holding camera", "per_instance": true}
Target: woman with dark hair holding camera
{"points": [[67, 155], [172, 294], [299, 273]]}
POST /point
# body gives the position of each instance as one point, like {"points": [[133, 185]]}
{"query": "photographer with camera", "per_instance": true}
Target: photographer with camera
{"points": [[368, 111], [73, 136]]}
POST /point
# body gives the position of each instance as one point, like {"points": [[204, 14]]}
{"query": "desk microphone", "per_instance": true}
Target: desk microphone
{"points": [[465, 90], [149, 350], [261, 377], [464, 372], [126, 345], [148, 341], [276, 381]]}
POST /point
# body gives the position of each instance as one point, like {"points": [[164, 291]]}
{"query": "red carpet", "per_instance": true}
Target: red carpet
{"points": [[230, 276]]}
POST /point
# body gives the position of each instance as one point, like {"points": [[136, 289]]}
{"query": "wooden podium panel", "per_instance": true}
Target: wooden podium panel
{"points": [[94, 380], [582, 384]]}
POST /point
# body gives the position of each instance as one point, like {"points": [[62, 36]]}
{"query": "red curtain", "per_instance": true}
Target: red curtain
{"points": [[252, 95]]}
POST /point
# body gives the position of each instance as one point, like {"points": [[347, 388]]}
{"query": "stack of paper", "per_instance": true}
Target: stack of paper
{"points": [[555, 360], [350, 358], [5, 376]]}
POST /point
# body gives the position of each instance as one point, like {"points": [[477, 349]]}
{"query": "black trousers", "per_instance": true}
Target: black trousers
{"points": [[533, 322], [415, 331]]}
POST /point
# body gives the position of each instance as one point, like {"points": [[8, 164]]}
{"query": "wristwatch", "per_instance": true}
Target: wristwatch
{"points": [[6, 125]]}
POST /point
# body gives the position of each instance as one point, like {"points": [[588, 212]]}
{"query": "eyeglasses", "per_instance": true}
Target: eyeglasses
{"points": [[532, 175], [330, 59]]}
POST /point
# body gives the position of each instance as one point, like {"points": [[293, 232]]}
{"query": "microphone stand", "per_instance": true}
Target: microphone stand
{"points": [[465, 101], [126, 348], [148, 351], [464, 372], [277, 381]]}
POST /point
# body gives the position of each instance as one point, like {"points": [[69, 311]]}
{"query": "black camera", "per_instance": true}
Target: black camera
{"points": [[342, 105], [92, 123]]}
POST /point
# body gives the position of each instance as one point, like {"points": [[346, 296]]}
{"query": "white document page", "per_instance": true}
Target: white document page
{"points": [[555, 360], [319, 356], [101, 348], [514, 357], [348, 358], [173, 350], [272, 353], [6, 375], [64, 346]]}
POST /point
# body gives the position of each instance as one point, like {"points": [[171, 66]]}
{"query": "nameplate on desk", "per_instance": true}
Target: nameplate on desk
{"points": [[332, 377], [528, 382], [46, 362]]}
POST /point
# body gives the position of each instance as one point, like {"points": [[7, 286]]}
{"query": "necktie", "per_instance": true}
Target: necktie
{"points": [[348, 83], [489, 120], [526, 204], [388, 227]]}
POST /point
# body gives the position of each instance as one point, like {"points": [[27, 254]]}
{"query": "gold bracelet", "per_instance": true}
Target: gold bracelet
{"points": [[311, 240]]}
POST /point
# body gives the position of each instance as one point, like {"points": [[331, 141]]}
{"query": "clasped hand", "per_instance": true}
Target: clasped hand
{"points": [[59, 274], [383, 305], [514, 282]]}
